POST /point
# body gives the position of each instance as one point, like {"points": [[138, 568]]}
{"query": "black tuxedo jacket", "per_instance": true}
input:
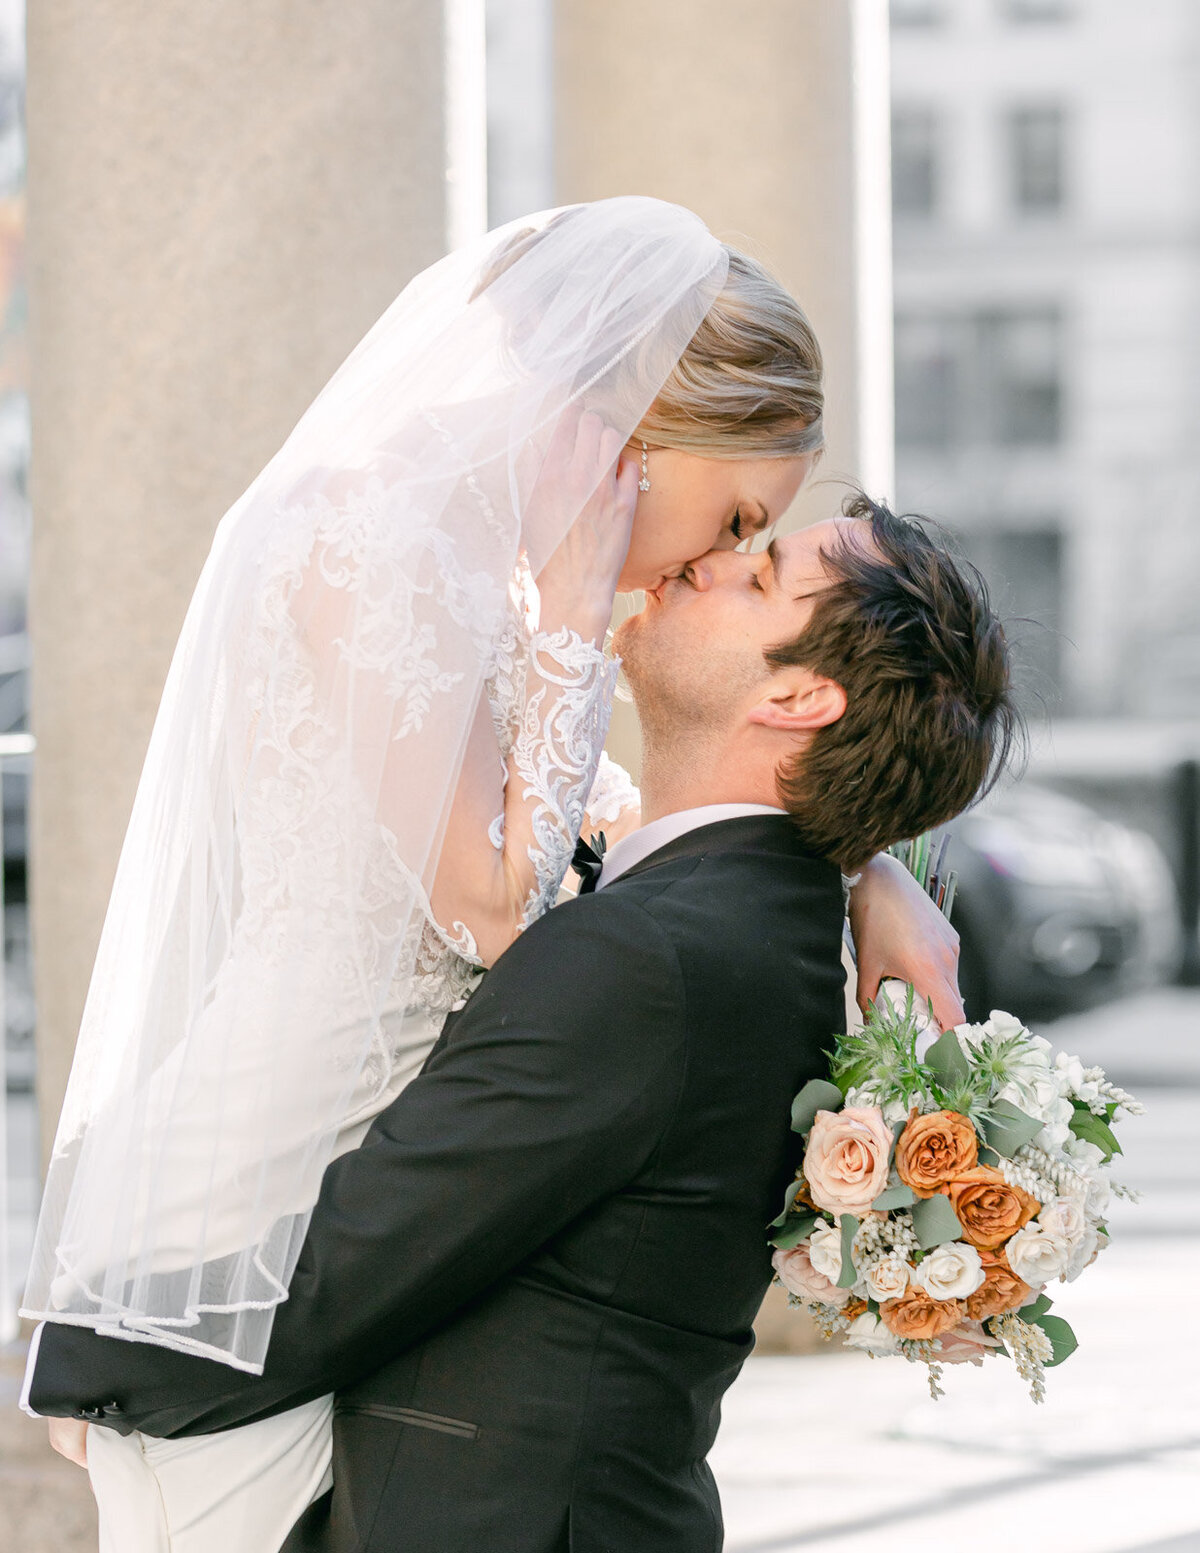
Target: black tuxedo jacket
{"points": [[534, 1281]]}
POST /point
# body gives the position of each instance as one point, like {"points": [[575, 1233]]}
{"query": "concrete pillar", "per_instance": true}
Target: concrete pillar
{"points": [[771, 121], [221, 201]]}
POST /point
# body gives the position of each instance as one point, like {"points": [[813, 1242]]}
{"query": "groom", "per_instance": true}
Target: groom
{"points": [[532, 1284]]}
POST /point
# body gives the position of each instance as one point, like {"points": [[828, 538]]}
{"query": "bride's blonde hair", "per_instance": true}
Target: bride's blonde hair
{"points": [[748, 384]]}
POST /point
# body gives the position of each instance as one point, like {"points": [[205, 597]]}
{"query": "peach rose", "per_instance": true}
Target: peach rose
{"points": [[800, 1277], [919, 1316], [933, 1149], [1000, 1290], [967, 1343], [846, 1158], [988, 1208]]}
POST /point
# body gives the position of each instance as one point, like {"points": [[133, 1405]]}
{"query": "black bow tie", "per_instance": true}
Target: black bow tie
{"points": [[588, 861]]}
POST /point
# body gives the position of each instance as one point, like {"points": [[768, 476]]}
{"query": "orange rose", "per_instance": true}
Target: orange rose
{"points": [[917, 1316], [1001, 1289], [935, 1149], [989, 1209]]}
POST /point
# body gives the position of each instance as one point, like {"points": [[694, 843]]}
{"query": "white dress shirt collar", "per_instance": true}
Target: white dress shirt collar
{"points": [[641, 843]]}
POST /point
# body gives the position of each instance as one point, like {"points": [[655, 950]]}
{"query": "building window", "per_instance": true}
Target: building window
{"points": [[1036, 140], [915, 146], [988, 377], [917, 13], [1023, 567]]}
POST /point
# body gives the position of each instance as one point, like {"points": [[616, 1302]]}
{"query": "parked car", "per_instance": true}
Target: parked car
{"points": [[1057, 907]]}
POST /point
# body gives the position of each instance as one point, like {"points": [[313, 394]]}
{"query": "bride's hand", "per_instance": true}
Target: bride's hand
{"points": [[578, 583], [68, 1436], [898, 931]]}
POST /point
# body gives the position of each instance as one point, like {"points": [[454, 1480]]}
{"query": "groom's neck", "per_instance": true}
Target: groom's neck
{"points": [[690, 775]]}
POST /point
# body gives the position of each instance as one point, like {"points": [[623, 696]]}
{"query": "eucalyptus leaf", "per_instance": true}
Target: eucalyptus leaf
{"points": [[790, 1196], [988, 1156], [1094, 1129], [898, 1196], [1061, 1337], [1035, 1308], [946, 1061], [935, 1222], [797, 1228], [1008, 1128], [817, 1095], [848, 1277]]}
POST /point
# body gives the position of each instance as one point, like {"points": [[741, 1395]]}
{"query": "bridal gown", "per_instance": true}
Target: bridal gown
{"points": [[241, 1491]]}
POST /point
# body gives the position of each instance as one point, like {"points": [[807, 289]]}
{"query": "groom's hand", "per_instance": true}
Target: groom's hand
{"points": [[68, 1436]]}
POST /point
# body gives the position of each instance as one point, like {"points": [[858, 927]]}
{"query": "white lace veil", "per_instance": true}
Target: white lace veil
{"points": [[268, 908]]}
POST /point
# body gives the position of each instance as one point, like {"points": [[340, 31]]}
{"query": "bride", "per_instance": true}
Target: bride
{"points": [[382, 734]]}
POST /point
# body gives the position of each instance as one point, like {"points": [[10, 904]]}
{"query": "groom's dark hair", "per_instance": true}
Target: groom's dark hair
{"points": [[907, 630]]}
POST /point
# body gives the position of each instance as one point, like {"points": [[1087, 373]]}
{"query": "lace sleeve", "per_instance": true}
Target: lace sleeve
{"points": [[569, 687], [613, 794]]}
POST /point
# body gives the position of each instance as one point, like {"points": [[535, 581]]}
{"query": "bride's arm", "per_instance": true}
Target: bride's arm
{"points": [[898, 931], [514, 821]]}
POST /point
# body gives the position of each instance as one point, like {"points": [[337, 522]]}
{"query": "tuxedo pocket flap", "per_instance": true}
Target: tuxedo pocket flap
{"points": [[413, 1416]]}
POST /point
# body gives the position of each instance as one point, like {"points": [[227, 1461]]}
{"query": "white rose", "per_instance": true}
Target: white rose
{"points": [[1099, 1191], [1064, 1216], [1085, 1251], [1037, 1255], [869, 1333], [825, 1251], [888, 1279], [951, 1272]]}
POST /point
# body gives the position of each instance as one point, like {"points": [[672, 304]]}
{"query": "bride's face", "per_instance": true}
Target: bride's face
{"points": [[696, 504]]}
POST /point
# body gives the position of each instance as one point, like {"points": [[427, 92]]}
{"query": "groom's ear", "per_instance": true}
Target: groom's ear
{"points": [[799, 702]]}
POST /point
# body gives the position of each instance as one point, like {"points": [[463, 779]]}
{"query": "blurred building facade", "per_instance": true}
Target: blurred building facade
{"points": [[1046, 203]]}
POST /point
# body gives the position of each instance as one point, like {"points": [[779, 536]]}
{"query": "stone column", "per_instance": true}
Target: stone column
{"points": [[221, 200], [771, 121]]}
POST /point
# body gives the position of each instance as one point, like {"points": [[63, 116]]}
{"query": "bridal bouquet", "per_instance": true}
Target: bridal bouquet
{"points": [[941, 1191]]}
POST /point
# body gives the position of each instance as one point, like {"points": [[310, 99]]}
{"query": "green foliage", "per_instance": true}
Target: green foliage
{"points": [[1094, 1129], [796, 1228], [817, 1095], [1062, 1339], [849, 1229], [898, 1196], [793, 1191], [1007, 1128], [935, 1222]]}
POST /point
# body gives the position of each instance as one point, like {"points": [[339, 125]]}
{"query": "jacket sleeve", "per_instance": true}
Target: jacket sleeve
{"points": [[549, 1092]]}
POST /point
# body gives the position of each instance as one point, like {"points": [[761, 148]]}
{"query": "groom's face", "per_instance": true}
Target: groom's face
{"points": [[696, 650]]}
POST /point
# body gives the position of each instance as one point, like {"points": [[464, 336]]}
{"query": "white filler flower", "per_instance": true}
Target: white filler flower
{"points": [[950, 1272]]}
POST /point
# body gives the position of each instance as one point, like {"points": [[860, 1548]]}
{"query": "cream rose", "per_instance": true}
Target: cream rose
{"points": [[1086, 1249], [1064, 1216], [950, 1272], [800, 1277], [825, 1251], [869, 1333], [888, 1279], [846, 1159], [1037, 1254]]}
